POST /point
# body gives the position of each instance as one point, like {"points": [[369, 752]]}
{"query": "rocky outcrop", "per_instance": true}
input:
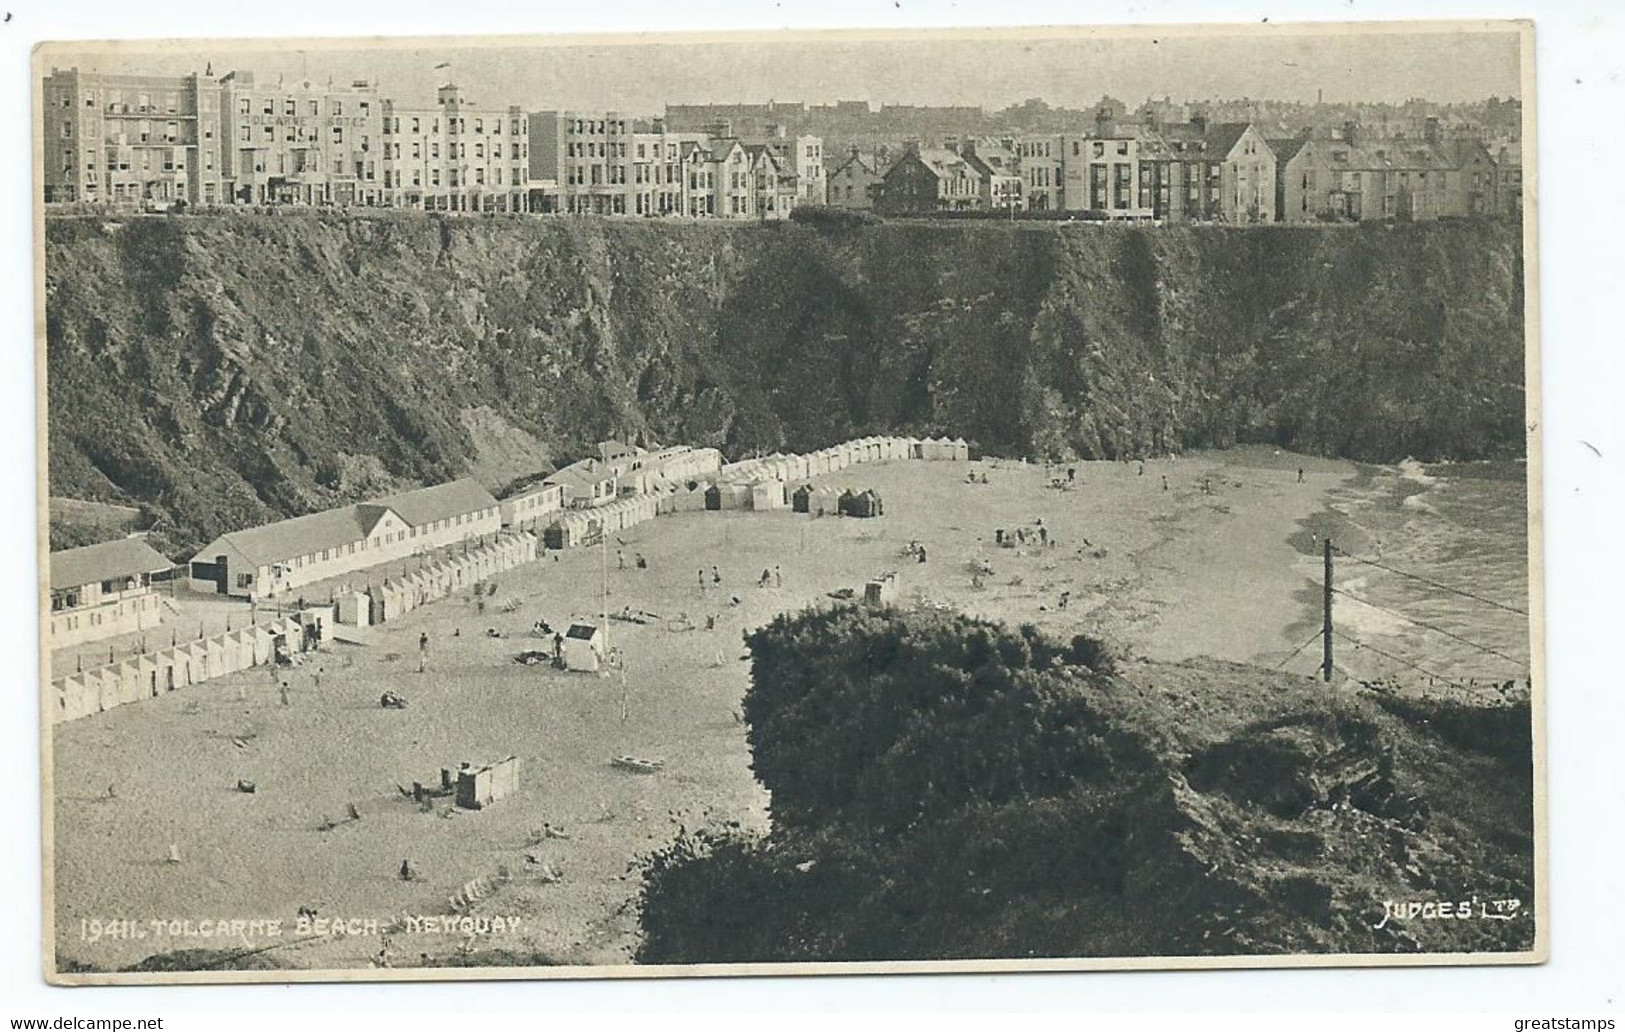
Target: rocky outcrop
{"points": [[226, 370]]}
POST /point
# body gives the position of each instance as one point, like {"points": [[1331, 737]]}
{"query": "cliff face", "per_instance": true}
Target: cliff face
{"points": [[228, 370]]}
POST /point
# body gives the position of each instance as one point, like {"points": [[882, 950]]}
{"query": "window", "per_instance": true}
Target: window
{"points": [[245, 580], [244, 106], [288, 107], [338, 108], [67, 130]]}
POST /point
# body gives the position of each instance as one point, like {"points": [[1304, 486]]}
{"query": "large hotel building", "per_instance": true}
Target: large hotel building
{"points": [[207, 139]]}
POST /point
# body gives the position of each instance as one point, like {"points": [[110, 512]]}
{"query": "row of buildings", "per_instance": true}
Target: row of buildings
{"points": [[105, 590], [206, 139], [1193, 171]]}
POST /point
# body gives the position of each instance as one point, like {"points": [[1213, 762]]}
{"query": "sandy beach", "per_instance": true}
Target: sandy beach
{"points": [[1162, 572]]}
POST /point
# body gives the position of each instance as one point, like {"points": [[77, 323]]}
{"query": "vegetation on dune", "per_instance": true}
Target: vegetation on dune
{"points": [[227, 370], [946, 788]]}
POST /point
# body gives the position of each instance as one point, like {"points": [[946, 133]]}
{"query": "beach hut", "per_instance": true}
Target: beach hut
{"points": [[843, 502], [689, 497], [960, 450], [729, 496], [866, 503], [583, 648], [479, 787], [881, 591], [766, 495], [816, 499], [555, 536]]}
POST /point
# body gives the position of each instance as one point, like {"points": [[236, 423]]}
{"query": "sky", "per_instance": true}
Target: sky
{"points": [[636, 76]]}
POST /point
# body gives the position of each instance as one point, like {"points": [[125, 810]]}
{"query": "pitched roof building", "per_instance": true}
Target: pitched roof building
{"points": [[275, 558], [102, 590]]}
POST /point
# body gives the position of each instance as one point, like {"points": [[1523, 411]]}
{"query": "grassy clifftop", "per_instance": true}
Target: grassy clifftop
{"points": [[948, 788], [226, 370]]}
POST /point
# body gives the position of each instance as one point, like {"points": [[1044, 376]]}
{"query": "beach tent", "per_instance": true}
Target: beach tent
{"points": [[961, 450], [583, 648]]}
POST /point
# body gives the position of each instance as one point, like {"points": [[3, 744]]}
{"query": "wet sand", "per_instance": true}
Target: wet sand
{"points": [[1161, 573]]}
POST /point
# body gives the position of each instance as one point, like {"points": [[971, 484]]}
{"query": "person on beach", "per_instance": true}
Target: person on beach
{"points": [[620, 559], [1165, 483], [778, 578], [702, 578], [423, 652], [767, 575], [1300, 474], [716, 577], [316, 679], [283, 691]]}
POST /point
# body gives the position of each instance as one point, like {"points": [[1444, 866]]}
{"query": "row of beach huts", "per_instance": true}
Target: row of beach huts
{"points": [[461, 536]]}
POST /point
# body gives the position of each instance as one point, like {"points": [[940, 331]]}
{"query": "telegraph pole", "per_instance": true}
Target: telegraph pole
{"points": [[1326, 620]]}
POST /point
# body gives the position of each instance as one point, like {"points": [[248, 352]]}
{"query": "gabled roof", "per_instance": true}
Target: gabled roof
{"points": [[1286, 149], [1220, 139], [110, 560], [1462, 151], [1386, 155], [945, 162], [850, 160], [301, 535], [584, 473], [443, 501], [335, 528], [983, 168]]}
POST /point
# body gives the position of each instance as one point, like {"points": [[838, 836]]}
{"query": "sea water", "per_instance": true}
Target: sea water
{"points": [[1434, 586]]}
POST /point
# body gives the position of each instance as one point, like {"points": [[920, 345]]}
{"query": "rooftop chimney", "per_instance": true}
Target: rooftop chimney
{"points": [[1351, 133], [1199, 123], [1431, 131], [1105, 123]]}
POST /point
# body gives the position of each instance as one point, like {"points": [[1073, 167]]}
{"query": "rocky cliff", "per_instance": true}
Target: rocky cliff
{"points": [[226, 370]]}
